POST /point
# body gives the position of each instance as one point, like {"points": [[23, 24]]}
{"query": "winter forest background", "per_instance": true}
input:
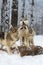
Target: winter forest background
{"points": [[11, 12]]}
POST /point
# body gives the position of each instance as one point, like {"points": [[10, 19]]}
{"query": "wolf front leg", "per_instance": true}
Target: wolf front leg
{"points": [[8, 47]]}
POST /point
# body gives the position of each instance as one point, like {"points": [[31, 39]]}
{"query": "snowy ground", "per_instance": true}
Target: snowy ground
{"points": [[15, 59]]}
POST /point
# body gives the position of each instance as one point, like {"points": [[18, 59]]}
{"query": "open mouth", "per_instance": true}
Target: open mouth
{"points": [[23, 27]]}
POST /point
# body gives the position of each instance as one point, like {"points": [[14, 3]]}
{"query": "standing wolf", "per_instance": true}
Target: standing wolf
{"points": [[10, 39], [26, 33]]}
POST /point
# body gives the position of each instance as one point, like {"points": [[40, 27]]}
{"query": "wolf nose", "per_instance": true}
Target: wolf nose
{"points": [[23, 23]]}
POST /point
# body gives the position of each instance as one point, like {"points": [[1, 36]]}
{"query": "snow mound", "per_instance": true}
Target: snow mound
{"points": [[15, 59]]}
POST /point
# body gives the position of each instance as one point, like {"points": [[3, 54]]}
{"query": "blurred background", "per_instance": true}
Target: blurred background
{"points": [[11, 12]]}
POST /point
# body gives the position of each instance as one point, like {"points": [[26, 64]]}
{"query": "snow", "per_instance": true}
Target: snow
{"points": [[38, 40], [15, 59]]}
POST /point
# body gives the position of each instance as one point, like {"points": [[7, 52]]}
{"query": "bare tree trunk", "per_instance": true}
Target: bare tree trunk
{"points": [[5, 15], [32, 17], [14, 17]]}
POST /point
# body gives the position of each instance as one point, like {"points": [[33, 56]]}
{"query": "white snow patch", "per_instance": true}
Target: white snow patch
{"points": [[38, 40]]}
